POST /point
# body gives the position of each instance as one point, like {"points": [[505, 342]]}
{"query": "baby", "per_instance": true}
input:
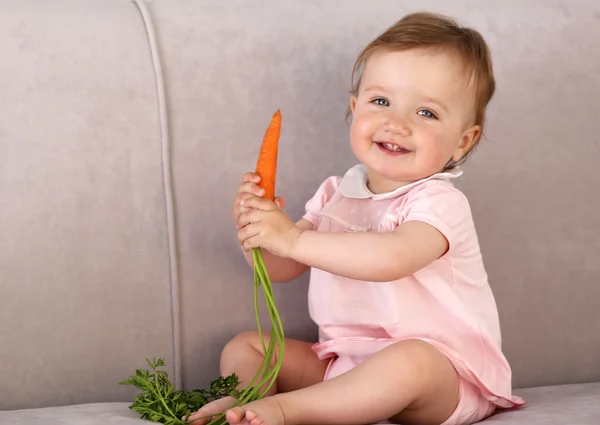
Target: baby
{"points": [[408, 325]]}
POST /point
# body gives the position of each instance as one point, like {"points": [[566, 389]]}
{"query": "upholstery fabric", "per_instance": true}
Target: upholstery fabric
{"points": [[84, 276], [81, 414], [555, 405], [575, 404], [84, 260], [530, 182]]}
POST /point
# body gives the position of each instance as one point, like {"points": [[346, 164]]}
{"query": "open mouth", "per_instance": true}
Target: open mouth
{"points": [[392, 148]]}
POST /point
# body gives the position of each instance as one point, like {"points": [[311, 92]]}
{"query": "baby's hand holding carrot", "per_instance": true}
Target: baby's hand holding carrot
{"points": [[262, 182], [248, 188], [265, 225]]}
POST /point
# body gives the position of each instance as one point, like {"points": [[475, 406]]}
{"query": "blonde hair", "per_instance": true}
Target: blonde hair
{"points": [[425, 30]]}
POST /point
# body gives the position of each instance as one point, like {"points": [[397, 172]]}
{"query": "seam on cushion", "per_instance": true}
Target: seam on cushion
{"points": [[168, 191]]}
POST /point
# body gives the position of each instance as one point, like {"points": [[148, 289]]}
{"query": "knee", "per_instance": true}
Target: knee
{"points": [[240, 344], [419, 354]]}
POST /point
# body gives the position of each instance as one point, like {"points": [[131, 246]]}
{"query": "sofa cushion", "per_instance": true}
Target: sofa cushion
{"points": [[84, 251], [80, 414], [555, 405]]}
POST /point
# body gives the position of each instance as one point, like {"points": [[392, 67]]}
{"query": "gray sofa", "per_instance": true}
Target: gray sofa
{"points": [[125, 127]]}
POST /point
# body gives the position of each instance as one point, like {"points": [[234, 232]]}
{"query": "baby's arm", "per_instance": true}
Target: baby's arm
{"points": [[282, 269], [371, 256]]}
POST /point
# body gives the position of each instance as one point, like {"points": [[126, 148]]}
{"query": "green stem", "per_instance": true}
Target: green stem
{"points": [[252, 391], [278, 334], [157, 392], [165, 416], [258, 258]]}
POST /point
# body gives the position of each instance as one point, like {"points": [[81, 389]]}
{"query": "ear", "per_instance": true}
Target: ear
{"points": [[352, 103], [467, 140]]}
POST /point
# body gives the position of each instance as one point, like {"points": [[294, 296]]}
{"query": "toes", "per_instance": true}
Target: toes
{"points": [[235, 415], [192, 416], [255, 420], [198, 421], [201, 417], [250, 415], [210, 411]]}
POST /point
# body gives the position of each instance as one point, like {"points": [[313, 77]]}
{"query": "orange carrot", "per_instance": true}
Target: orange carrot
{"points": [[266, 165]]}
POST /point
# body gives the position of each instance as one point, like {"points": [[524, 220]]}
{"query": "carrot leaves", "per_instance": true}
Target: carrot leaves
{"points": [[160, 402]]}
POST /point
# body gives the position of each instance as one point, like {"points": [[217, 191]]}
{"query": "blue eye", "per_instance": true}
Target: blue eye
{"points": [[381, 102], [427, 113]]}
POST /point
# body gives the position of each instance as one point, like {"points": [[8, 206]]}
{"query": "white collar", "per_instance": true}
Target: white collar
{"points": [[354, 183]]}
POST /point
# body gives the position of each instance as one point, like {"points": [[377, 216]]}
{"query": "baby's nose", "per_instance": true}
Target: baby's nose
{"points": [[398, 123]]}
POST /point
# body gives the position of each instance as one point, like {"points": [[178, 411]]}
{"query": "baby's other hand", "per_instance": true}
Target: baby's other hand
{"points": [[248, 188]]}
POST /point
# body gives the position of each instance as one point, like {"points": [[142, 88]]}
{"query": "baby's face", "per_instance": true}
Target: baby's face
{"points": [[413, 113]]}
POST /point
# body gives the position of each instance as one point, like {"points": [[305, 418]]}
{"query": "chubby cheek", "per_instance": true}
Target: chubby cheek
{"points": [[356, 127], [361, 134], [367, 124], [357, 146], [436, 149]]}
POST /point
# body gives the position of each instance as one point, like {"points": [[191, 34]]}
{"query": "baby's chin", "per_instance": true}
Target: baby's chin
{"points": [[400, 171], [386, 180]]}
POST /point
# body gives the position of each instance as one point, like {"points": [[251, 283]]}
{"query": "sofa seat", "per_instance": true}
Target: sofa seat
{"points": [[79, 414], [577, 404]]}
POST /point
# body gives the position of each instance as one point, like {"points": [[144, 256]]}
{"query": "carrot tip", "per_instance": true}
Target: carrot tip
{"points": [[267, 158]]}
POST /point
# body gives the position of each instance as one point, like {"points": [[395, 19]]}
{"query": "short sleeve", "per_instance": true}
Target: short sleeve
{"points": [[444, 207], [323, 194]]}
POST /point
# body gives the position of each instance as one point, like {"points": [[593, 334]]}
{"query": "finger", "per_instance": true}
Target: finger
{"points": [[243, 196], [244, 221], [236, 212], [251, 242], [238, 216], [250, 217], [259, 203], [238, 209], [250, 187], [235, 207], [280, 202], [241, 208], [247, 232], [250, 177]]}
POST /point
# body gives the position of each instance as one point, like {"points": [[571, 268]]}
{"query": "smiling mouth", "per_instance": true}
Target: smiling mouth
{"points": [[392, 148]]}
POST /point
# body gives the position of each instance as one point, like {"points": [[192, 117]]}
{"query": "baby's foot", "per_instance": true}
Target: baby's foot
{"points": [[262, 412], [211, 410]]}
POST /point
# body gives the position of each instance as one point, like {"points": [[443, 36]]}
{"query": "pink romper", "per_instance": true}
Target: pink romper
{"points": [[448, 304]]}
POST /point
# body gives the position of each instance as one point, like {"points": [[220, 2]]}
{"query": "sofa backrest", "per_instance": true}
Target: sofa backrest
{"points": [[115, 237]]}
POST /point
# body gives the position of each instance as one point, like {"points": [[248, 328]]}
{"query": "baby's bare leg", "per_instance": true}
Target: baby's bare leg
{"points": [[409, 382], [243, 355], [300, 367]]}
